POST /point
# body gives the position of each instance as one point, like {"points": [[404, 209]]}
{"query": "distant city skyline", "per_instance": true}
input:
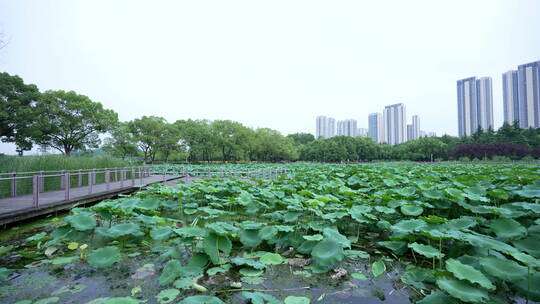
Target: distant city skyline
{"points": [[232, 60]]}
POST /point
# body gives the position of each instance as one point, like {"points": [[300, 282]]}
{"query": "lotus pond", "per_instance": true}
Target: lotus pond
{"points": [[387, 233]]}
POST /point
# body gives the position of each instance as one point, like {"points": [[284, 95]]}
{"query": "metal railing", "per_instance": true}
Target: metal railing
{"points": [[37, 182]]}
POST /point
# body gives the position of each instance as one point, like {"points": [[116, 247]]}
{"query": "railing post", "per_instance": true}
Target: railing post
{"points": [[62, 180], [90, 183], [41, 182], [108, 178], [122, 177], [14, 184], [164, 173], [79, 182], [35, 189], [141, 175], [94, 176], [132, 177], [115, 174], [66, 185]]}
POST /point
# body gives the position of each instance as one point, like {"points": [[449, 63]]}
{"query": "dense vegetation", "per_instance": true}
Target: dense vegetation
{"points": [[10, 164], [456, 233]]}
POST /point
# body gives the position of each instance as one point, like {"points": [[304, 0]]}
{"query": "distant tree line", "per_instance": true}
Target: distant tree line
{"points": [[68, 122]]}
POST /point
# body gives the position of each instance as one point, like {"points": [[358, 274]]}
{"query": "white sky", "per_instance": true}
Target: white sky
{"points": [[274, 64]]}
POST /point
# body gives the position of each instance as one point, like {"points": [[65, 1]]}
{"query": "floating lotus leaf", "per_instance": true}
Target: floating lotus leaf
{"points": [[411, 210], [250, 238], [64, 260], [327, 252], [249, 225], [506, 270], [331, 233], [81, 222], [361, 213], [104, 257], [260, 298], [378, 268], [201, 300], [469, 273], [167, 296], [356, 254], [121, 230], [359, 276], [437, 297], [249, 262], [507, 228], [296, 300], [461, 223], [4, 273], [426, 250], [315, 237], [47, 300], [191, 271], [185, 283], [397, 247], [221, 228], [161, 233], [214, 244], [271, 259], [251, 272], [170, 272], [463, 291]]}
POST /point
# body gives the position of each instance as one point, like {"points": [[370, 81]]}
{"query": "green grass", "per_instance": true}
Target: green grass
{"points": [[10, 164]]}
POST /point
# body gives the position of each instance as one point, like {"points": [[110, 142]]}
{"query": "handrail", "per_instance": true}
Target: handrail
{"points": [[71, 170]]}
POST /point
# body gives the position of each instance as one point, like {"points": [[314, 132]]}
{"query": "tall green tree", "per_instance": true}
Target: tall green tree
{"points": [[147, 132], [18, 112], [121, 143], [301, 138], [71, 121]]}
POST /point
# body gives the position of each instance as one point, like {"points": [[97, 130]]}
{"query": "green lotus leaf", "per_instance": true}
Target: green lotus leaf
{"points": [[437, 297], [306, 247], [81, 222], [250, 225], [530, 245], [327, 252], [356, 254], [121, 230], [333, 234], [411, 210], [260, 298], [397, 247], [530, 191], [362, 213], [507, 228], [148, 204], [167, 296], [201, 300], [221, 228], [271, 259], [426, 250], [47, 300], [469, 273], [4, 273], [463, 291], [268, 232], [315, 237], [527, 287], [506, 270], [121, 300], [250, 238], [198, 259], [185, 283], [104, 257], [170, 272], [251, 272], [378, 268], [221, 269], [191, 271], [408, 226], [161, 233], [64, 260], [359, 276], [249, 262], [214, 244], [191, 232], [461, 223], [296, 300]]}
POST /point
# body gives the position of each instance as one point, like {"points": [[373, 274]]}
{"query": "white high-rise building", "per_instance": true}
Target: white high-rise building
{"points": [[346, 127], [410, 135], [362, 132], [395, 124], [529, 94], [376, 127], [415, 127], [475, 105], [325, 127], [510, 96]]}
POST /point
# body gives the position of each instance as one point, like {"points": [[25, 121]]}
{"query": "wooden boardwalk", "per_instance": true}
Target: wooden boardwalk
{"points": [[13, 209]]}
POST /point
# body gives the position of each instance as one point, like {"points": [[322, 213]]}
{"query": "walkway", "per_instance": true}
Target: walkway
{"points": [[13, 209]]}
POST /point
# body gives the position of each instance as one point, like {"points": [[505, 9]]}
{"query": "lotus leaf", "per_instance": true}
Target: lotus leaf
{"points": [[214, 244], [297, 300], [503, 269], [104, 257], [250, 238], [530, 245], [249, 262], [463, 291], [359, 276], [437, 297], [167, 295], [469, 273], [271, 259], [81, 222], [4, 273], [260, 298], [199, 260], [201, 300], [251, 272], [378, 268], [327, 253], [426, 250], [268, 232], [411, 210], [507, 228], [161, 233], [170, 272], [397, 247]]}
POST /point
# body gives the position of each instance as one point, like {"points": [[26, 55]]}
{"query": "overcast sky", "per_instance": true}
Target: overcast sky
{"points": [[275, 64]]}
